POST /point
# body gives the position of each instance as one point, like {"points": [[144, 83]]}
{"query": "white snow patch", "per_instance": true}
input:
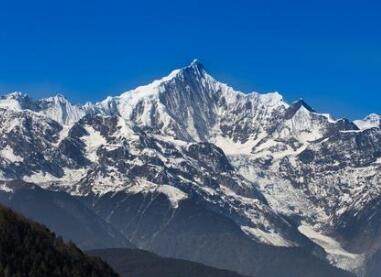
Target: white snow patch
{"points": [[8, 154], [371, 121], [173, 194], [266, 237], [231, 147], [351, 131], [40, 177], [336, 254], [93, 141], [63, 134], [5, 188], [329, 117], [44, 179], [11, 101]]}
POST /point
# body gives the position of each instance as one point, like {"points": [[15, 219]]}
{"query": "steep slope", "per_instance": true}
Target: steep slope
{"points": [[60, 109], [135, 262], [30, 249]]}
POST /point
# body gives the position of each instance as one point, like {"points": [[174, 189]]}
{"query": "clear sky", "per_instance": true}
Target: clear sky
{"points": [[327, 52]]}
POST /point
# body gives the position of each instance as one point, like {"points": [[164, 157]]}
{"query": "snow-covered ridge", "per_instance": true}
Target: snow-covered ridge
{"points": [[56, 107], [371, 121], [162, 98], [15, 101]]}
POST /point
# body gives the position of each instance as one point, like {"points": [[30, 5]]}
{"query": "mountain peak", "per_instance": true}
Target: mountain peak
{"points": [[301, 103], [296, 106], [371, 121], [373, 116], [195, 67], [194, 71], [15, 101], [196, 63], [16, 95], [58, 98]]}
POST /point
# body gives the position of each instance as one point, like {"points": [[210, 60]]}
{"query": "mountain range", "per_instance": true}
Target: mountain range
{"points": [[187, 167]]}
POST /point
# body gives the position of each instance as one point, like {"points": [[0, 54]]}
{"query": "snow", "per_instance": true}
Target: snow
{"points": [[63, 134], [93, 141], [272, 99], [10, 104], [329, 117], [147, 90], [40, 178], [173, 194], [336, 253], [57, 108], [261, 228], [266, 237], [371, 121], [231, 147], [289, 152], [151, 105], [12, 101], [351, 131], [301, 126], [71, 176], [61, 110], [124, 130], [5, 187], [145, 98], [7, 153]]}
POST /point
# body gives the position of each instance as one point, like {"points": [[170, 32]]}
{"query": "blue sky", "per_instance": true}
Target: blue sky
{"points": [[328, 52]]}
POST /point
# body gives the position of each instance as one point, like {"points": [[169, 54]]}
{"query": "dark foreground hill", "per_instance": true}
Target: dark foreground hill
{"points": [[31, 250], [135, 262]]}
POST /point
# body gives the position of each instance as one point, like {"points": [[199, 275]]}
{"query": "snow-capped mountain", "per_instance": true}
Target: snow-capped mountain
{"points": [[57, 107], [371, 121], [283, 173]]}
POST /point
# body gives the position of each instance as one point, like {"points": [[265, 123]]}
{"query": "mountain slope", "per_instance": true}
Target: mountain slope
{"points": [[29, 249]]}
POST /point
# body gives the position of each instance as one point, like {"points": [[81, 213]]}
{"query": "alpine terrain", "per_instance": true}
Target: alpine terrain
{"points": [[187, 167]]}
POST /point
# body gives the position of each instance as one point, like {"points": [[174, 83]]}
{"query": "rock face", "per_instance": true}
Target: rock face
{"points": [[283, 174]]}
